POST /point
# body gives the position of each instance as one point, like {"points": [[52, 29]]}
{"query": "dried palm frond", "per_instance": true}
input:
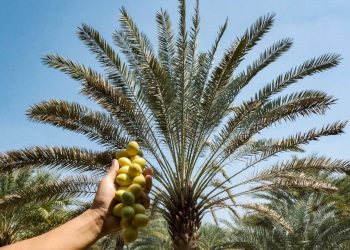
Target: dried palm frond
{"points": [[269, 213]]}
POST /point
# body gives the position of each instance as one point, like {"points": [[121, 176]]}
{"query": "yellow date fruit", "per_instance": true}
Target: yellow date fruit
{"points": [[121, 153], [139, 180], [132, 148], [123, 170], [119, 193], [123, 180], [135, 169], [124, 161], [139, 160]]}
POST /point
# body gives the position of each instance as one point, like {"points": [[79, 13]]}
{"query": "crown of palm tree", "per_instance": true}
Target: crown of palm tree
{"points": [[183, 111], [314, 223]]}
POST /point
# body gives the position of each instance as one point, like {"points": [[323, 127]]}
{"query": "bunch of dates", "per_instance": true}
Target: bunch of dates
{"points": [[130, 184]]}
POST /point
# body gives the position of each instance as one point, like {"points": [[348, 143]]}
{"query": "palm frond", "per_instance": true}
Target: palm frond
{"points": [[95, 125], [155, 82], [270, 55], [117, 71], [312, 163], [209, 169], [253, 35], [114, 101], [289, 143], [308, 68], [195, 90], [239, 140], [166, 43], [295, 181], [193, 41], [71, 187], [286, 108], [271, 214], [76, 159], [257, 30]]}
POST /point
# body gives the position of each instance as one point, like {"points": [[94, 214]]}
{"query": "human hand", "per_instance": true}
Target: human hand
{"points": [[104, 200]]}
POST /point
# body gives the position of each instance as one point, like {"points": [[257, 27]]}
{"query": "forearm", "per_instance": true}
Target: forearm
{"points": [[78, 233]]}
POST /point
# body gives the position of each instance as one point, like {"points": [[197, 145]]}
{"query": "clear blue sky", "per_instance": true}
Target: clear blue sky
{"points": [[31, 29]]}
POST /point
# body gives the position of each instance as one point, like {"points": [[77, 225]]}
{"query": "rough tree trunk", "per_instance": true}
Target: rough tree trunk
{"points": [[119, 242], [183, 223], [5, 239]]}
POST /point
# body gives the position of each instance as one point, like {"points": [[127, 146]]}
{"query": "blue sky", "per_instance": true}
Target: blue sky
{"points": [[31, 29]]}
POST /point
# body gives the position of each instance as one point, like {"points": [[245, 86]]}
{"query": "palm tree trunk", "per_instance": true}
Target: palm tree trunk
{"points": [[185, 245], [5, 239], [184, 223], [186, 235], [119, 242]]}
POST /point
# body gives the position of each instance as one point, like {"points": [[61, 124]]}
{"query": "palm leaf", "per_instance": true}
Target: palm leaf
{"points": [[95, 125], [72, 158], [71, 187]]}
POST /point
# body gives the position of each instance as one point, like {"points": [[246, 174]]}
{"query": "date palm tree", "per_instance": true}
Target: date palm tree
{"points": [[185, 114], [30, 204]]}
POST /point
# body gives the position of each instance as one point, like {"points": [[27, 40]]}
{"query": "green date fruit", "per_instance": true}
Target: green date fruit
{"points": [[128, 198], [128, 212], [124, 223], [140, 220], [130, 234], [135, 189], [139, 209]]}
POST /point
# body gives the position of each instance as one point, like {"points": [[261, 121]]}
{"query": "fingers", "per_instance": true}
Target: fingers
{"points": [[148, 171], [112, 172], [148, 184], [144, 200]]}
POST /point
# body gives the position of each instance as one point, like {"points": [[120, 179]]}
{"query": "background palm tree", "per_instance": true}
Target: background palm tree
{"points": [[314, 225], [342, 198], [28, 206], [184, 113], [212, 237], [154, 237]]}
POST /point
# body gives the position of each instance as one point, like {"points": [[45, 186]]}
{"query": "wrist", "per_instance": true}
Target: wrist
{"points": [[98, 216]]}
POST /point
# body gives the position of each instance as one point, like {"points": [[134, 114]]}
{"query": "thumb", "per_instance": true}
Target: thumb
{"points": [[112, 172]]}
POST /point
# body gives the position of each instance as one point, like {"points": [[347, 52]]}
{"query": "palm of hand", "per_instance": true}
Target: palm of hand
{"points": [[104, 200]]}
